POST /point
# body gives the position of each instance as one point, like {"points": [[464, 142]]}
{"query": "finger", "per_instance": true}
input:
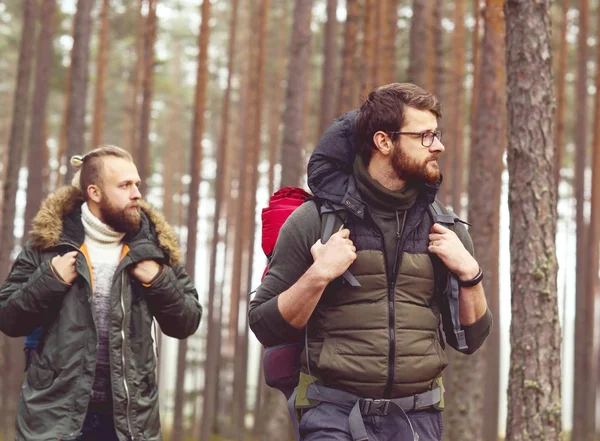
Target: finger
{"points": [[435, 236], [344, 233], [438, 228]]}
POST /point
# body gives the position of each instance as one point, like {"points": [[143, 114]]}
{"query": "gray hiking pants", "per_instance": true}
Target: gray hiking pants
{"points": [[329, 422]]}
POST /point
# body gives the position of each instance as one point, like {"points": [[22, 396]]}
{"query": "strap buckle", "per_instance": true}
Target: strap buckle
{"points": [[370, 407]]}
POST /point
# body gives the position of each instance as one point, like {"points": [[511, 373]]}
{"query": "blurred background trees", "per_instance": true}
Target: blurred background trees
{"points": [[222, 102]]}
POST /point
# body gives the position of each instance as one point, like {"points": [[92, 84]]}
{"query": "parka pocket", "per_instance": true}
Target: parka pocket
{"points": [[40, 378], [327, 355]]}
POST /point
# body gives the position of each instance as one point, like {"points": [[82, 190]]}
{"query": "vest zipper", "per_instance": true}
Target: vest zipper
{"points": [[123, 348]]}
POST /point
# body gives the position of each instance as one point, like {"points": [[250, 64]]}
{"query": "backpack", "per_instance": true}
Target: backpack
{"points": [[281, 363]]}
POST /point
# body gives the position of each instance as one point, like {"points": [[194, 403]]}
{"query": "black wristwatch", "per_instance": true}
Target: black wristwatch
{"points": [[472, 282]]}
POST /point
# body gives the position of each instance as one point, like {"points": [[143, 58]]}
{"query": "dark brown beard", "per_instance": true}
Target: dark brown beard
{"points": [[410, 170], [124, 221]]}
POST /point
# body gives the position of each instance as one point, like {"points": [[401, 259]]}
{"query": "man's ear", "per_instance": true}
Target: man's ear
{"points": [[94, 193], [382, 142]]}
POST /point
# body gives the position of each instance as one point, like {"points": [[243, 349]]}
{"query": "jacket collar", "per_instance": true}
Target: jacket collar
{"points": [[59, 220]]}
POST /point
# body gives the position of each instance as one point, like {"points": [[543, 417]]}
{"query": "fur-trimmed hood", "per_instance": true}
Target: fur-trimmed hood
{"points": [[47, 226]]}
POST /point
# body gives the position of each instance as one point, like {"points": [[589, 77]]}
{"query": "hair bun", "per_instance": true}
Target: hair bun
{"points": [[77, 161]]}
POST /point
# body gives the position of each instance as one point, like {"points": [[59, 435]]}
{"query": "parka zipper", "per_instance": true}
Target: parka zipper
{"points": [[123, 346]]}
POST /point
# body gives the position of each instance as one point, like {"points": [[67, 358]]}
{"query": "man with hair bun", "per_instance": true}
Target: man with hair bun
{"points": [[100, 265]]}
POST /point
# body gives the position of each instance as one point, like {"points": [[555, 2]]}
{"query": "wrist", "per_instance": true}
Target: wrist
{"points": [[472, 281], [318, 277], [468, 272]]}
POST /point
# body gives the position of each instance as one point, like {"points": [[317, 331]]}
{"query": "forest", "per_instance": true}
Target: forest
{"points": [[221, 103]]}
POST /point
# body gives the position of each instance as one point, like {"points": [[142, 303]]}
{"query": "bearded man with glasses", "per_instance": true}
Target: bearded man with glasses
{"points": [[374, 351]]}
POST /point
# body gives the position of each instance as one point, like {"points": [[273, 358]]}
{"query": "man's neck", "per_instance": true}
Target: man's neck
{"points": [[384, 174], [95, 210]]}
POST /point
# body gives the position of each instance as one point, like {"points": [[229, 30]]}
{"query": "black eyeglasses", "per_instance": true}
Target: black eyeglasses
{"points": [[426, 137]]}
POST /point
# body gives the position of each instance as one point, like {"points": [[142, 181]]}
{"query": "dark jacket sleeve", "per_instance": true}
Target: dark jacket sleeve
{"points": [[476, 333], [30, 290], [173, 300], [290, 260]]}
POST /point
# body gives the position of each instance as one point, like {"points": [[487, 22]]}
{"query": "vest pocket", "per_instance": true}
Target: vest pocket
{"points": [[328, 351]]}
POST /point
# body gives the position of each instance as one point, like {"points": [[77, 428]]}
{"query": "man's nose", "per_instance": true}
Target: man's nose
{"points": [[437, 146], [136, 193]]}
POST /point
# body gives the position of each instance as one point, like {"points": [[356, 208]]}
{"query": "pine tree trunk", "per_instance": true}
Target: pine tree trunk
{"points": [[561, 90], [347, 93], [466, 399], [143, 150], [10, 185], [292, 151], [456, 173], [584, 397], [101, 65], [195, 172], [62, 141], [82, 29], [211, 365], [421, 66], [388, 70], [131, 108], [367, 79], [534, 390], [275, 102], [37, 166], [329, 68]]}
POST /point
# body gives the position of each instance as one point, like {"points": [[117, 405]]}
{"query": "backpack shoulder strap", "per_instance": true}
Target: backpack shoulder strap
{"points": [[333, 218], [450, 292]]}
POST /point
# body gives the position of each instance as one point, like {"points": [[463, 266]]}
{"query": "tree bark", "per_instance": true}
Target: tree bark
{"points": [[292, 150], [10, 186], [466, 399], [37, 164], [388, 70], [82, 28], [534, 390], [421, 66], [561, 90], [329, 68], [195, 172], [348, 92], [131, 108], [143, 151], [584, 397], [211, 364], [369, 46], [101, 65]]}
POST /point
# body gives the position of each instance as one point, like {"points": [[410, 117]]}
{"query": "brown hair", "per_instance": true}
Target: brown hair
{"points": [[90, 166], [384, 111]]}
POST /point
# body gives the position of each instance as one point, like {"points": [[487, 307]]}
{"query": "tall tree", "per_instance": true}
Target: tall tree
{"points": [[17, 135], [292, 150], [584, 398], [534, 389], [10, 185], [82, 29], [348, 89], [421, 66], [456, 120], [561, 89], [369, 47], [275, 102], [143, 149], [388, 69], [328, 87], [211, 365], [62, 139], [593, 285], [485, 185], [37, 166], [194, 192], [131, 119], [101, 65]]}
